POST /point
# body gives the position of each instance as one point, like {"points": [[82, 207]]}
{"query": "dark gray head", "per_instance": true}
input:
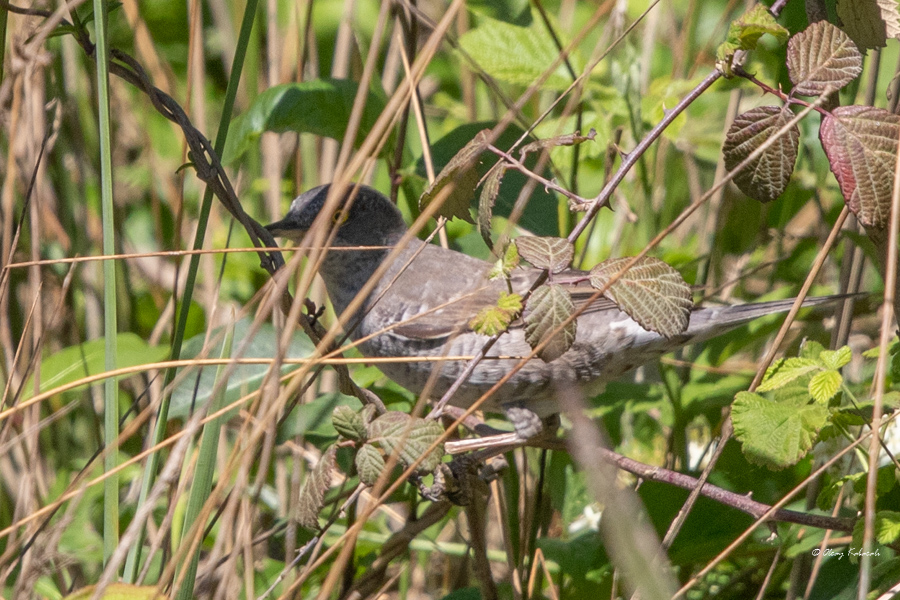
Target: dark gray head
{"points": [[372, 220]]}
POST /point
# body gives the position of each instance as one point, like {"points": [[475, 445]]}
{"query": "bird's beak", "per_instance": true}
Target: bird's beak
{"points": [[286, 228]]}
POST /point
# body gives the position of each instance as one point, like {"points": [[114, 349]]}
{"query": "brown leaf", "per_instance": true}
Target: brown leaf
{"points": [[312, 492], [765, 178], [822, 57], [861, 145], [489, 191], [462, 174], [869, 22], [569, 139], [651, 292]]}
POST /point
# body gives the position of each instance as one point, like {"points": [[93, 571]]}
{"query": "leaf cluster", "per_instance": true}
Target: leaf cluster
{"points": [[860, 142], [374, 441], [798, 403]]}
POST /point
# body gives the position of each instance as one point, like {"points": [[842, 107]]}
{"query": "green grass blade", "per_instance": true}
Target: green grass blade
{"points": [[203, 472], [110, 386], [134, 555]]}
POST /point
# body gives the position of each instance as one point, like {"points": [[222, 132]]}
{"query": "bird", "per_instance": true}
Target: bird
{"points": [[423, 304]]}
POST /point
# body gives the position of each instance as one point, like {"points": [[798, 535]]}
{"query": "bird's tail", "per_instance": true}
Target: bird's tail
{"points": [[710, 321]]}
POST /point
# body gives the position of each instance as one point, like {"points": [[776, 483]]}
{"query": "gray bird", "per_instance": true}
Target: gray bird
{"points": [[424, 302]]}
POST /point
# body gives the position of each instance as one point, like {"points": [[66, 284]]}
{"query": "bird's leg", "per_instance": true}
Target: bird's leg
{"points": [[528, 426]]}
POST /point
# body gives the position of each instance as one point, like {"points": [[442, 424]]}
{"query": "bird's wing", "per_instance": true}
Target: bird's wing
{"points": [[446, 303]]}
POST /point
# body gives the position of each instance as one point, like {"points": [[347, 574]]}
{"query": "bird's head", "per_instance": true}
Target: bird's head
{"points": [[366, 217]]}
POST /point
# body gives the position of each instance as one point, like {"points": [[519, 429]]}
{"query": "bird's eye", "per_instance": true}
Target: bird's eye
{"points": [[340, 217]]}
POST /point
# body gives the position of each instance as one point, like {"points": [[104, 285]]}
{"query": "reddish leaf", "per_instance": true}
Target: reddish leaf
{"points": [[861, 144]]}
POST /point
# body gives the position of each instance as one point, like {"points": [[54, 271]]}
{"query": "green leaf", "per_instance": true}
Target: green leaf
{"points": [[314, 419], [246, 377], [460, 172], [744, 32], [884, 480], [495, 319], [811, 349], [650, 292], [119, 591], [861, 145], [772, 434], [348, 423], [836, 359], [548, 308], [824, 385], [369, 464], [318, 106], [77, 362], [784, 371], [887, 526], [766, 177], [517, 55], [312, 492], [388, 431], [820, 58], [544, 252], [506, 263]]}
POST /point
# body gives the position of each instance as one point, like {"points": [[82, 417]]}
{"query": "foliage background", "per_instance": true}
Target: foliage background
{"points": [[542, 536]]}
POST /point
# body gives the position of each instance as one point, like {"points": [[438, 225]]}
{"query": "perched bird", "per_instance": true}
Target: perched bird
{"points": [[424, 302]]}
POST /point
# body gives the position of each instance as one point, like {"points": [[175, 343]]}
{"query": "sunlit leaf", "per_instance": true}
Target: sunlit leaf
{"points": [[518, 55], [650, 292], [766, 177], [744, 32], [119, 591], [506, 263], [887, 526], [776, 435], [784, 371], [824, 385], [492, 320], [835, 359]]}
